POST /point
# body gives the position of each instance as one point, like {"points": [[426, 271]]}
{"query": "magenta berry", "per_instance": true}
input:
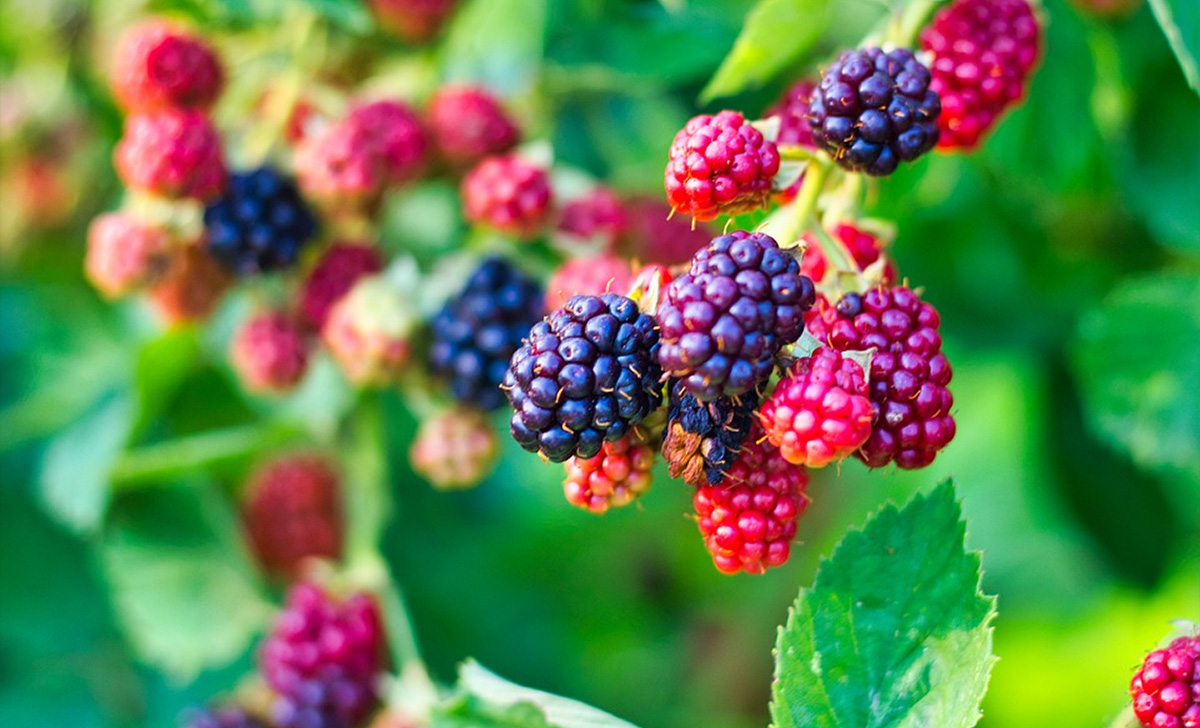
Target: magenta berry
{"points": [[984, 52], [720, 165], [341, 266], [323, 659], [614, 477], [292, 511], [397, 137], [159, 65], [123, 253], [270, 352], [819, 412], [509, 194], [724, 321], [909, 373], [172, 153], [794, 129], [595, 221], [749, 520], [1166, 689], [468, 123], [874, 109]]}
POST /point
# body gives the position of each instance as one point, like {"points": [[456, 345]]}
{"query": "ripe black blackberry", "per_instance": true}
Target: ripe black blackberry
{"points": [[259, 224], [586, 375], [874, 109], [703, 439], [724, 321], [476, 332]]}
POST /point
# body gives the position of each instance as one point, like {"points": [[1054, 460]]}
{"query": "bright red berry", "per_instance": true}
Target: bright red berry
{"points": [[749, 520], [415, 21], [159, 65], [615, 477], [323, 659], [190, 286], [292, 511], [720, 165], [508, 194], [123, 253], [909, 373], [819, 412], [468, 123], [455, 449], [864, 247], [270, 352], [340, 267], [984, 52], [589, 276], [593, 222], [173, 153], [1166, 690]]}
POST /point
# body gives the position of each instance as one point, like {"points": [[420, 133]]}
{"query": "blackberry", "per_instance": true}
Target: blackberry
{"points": [[477, 331], [874, 109], [702, 439], [725, 320], [1166, 689], [720, 165], [369, 331], [586, 375], [292, 511], [259, 224], [159, 65], [323, 659]]}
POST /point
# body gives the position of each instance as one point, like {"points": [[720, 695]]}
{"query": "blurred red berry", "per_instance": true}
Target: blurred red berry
{"points": [[335, 273], [190, 286], [158, 65], [123, 253], [509, 194], [415, 21], [292, 511], [172, 153], [468, 123], [589, 276], [270, 352], [455, 449]]}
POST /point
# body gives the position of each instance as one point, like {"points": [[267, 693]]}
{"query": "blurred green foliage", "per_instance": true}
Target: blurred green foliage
{"points": [[1063, 256]]}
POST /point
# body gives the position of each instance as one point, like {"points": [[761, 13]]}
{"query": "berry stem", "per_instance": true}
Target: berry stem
{"points": [[156, 464], [797, 153], [906, 25], [797, 216]]}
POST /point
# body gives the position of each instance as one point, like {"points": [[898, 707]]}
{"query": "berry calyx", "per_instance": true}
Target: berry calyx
{"points": [[124, 254], [260, 224], [509, 194], [864, 247], [468, 124], [159, 65], [819, 411], [172, 153], [455, 449], [723, 322], [292, 511], [270, 352], [749, 521], [1166, 689], [984, 52], [874, 109], [614, 477], [720, 165]]}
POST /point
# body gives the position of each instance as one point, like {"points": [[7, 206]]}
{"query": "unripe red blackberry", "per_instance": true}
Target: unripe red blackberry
{"points": [[159, 65], [794, 129], [749, 520], [123, 253], [368, 332], [190, 286], [415, 21], [270, 352], [455, 449], [702, 440], [340, 267], [398, 137], [292, 511], [720, 165], [724, 321], [587, 374], [323, 659], [874, 109], [657, 236], [983, 54], [468, 123], [819, 412], [614, 477], [909, 373], [1166, 689], [172, 153], [863, 247], [509, 194], [594, 222], [589, 276]]}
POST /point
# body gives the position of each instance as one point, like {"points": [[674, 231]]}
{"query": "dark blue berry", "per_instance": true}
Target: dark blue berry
{"points": [[260, 224]]}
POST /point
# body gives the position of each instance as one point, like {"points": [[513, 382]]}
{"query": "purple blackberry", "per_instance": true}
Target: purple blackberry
{"points": [[587, 373], [702, 439], [323, 659], [476, 332], [223, 717], [874, 109], [723, 322], [259, 224]]}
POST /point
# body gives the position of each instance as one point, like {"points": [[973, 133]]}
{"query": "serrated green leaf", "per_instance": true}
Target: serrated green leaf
{"points": [[1138, 362], [182, 585], [894, 632], [76, 465], [1180, 22], [776, 33]]}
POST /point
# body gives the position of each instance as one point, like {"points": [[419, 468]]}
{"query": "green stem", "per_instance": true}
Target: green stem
{"points": [[161, 461], [906, 26], [402, 636], [797, 153]]}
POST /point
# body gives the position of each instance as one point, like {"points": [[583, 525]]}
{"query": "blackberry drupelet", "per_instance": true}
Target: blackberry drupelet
{"points": [[477, 331], [1166, 689], [259, 224], [702, 439]]}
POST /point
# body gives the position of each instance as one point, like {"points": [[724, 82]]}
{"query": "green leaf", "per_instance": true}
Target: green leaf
{"points": [[486, 700], [498, 43], [894, 632], [75, 468], [1138, 362], [184, 590], [351, 16], [162, 365], [1180, 22]]}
